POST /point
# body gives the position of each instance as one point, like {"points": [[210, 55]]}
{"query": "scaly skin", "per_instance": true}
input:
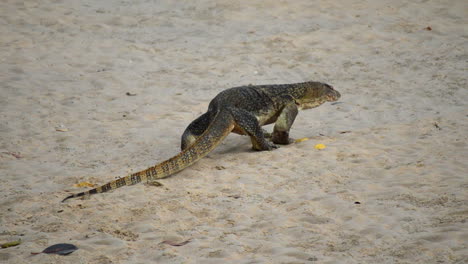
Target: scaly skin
{"points": [[242, 110]]}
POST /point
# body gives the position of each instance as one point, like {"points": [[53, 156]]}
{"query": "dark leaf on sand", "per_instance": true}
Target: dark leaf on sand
{"points": [[175, 244], [61, 249]]}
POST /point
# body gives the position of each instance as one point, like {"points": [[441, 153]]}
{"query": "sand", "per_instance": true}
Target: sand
{"points": [[390, 187]]}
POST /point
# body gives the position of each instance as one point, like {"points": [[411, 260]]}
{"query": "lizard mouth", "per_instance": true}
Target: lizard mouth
{"points": [[334, 96], [310, 104]]}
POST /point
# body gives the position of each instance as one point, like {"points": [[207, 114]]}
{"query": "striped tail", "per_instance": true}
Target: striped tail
{"points": [[221, 126]]}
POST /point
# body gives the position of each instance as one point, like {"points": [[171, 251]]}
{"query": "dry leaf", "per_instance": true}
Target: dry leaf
{"points": [[11, 244], [84, 184], [175, 244], [14, 154], [155, 183]]}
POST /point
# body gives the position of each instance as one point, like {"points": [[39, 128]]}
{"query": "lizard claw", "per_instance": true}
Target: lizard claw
{"points": [[273, 146], [265, 147]]}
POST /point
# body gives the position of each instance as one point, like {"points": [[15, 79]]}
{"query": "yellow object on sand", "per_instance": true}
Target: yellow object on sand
{"points": [[301, 139], [11, 244], [83, 184], [320, 146]]}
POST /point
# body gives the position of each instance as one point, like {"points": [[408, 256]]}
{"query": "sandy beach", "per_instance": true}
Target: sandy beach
{"points": [[94, 90]]}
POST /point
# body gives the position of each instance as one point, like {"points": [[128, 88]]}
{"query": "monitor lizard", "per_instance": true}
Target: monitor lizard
{"points": [[242, 110]]}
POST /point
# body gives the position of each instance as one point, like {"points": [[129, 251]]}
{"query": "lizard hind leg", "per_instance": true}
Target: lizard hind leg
{"points": [[194, 130], [283, 124], [248, 124]]}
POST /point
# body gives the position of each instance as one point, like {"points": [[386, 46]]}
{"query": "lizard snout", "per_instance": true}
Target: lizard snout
{"points": [[334, 96]]}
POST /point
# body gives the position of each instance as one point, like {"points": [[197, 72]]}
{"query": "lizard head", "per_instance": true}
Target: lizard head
{"points": [[315, 94]]}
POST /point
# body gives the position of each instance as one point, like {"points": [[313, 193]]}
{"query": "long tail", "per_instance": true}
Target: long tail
{"points": [[221, 126]]}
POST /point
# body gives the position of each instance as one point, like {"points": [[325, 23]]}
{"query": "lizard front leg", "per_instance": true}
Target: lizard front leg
{"points": [[266, 134], [248, 124], [283, 124]]}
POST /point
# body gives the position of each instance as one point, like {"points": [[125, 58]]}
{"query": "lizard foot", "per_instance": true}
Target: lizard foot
{"points": [[282, 138], [269, 146]]}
